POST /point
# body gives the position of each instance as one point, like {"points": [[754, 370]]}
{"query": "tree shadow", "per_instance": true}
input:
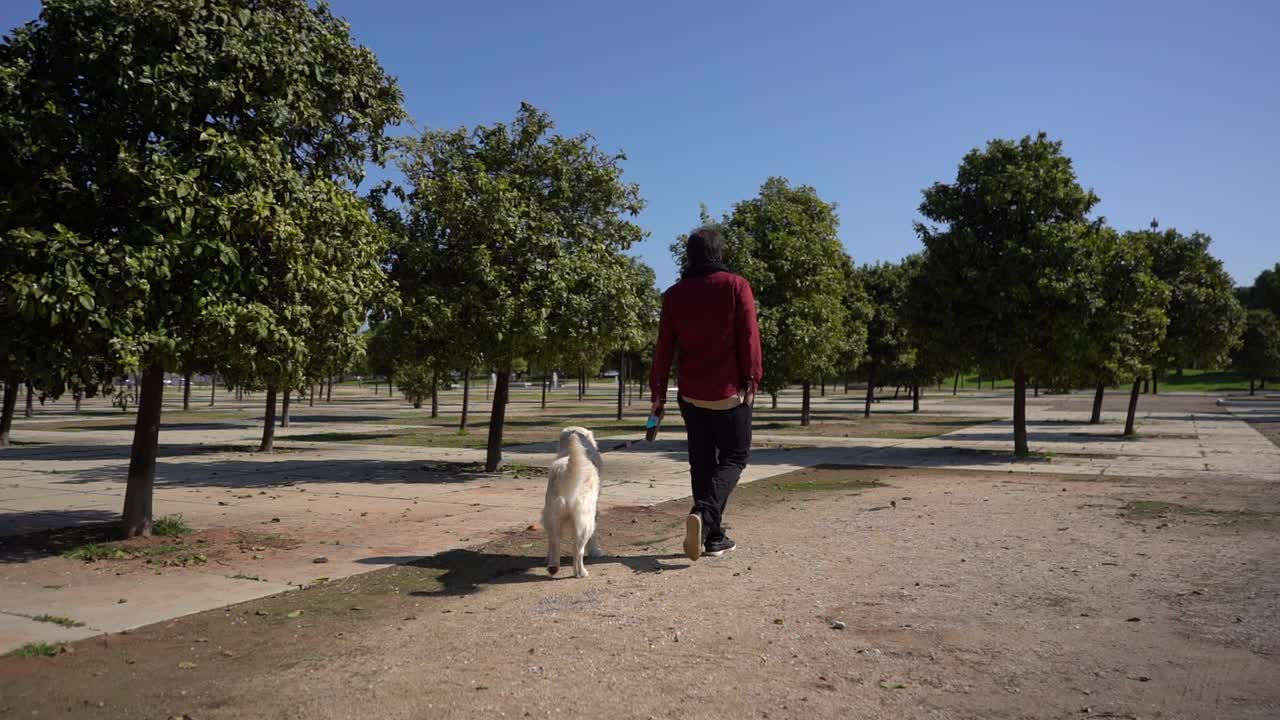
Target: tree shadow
{"points": [[29, 536]]}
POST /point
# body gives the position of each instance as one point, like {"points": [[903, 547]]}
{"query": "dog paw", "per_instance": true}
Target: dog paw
{"points": [[581, 573], [553, 569]]}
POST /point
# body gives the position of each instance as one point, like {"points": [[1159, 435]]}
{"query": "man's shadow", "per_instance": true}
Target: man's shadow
{"points": [[464, 572]]}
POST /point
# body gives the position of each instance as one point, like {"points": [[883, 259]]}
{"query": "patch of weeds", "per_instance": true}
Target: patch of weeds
{"points": [[1148, 510], [107, 551], [39, 649], [242, 576], [170, 526], [181, 560], [65, 622], [96, 551]]}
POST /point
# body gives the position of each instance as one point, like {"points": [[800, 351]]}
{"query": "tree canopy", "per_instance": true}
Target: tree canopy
{"points": [[174, 152], [1007, 267], [502, 223]]}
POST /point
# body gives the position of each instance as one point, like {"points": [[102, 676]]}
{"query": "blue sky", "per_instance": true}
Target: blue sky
{"points": [[1169, 109]]}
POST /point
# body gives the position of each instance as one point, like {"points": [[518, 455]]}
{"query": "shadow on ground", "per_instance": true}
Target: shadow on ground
{"points": [[466, 571]]}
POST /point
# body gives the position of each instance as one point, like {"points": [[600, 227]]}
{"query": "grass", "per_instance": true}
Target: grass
{"points": [[1148, 510], [39, 649], [58, 620], [832, 484], [170, 526]]}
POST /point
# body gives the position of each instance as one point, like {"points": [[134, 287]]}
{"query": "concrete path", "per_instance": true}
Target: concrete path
{"points": [[359, 507]]}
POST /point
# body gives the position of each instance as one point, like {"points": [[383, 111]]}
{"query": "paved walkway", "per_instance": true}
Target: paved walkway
{"points": [[364, 506]]}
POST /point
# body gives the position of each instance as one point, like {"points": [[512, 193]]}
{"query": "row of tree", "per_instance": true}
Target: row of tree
{"points": [[1015, 280]]}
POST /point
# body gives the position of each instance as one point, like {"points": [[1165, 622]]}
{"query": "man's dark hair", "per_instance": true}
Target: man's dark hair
{"points": [[705, 247]]}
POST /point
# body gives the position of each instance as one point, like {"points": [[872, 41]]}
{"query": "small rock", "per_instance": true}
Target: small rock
{"points": [[122, 601], [262, 613], [1134, 619], [320, 560], [838, 625], [187, 665], [275, 519]]}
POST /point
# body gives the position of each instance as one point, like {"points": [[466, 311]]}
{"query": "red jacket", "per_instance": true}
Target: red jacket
{"points": [[711, 319]]}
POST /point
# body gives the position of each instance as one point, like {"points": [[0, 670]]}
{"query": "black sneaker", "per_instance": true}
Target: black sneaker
{"points": [[718, 547]]}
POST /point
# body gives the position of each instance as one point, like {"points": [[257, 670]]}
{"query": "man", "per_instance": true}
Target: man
{"points": [[709, 318]]}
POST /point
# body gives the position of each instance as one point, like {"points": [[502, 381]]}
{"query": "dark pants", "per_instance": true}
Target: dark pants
{"points": [[719, 445]]}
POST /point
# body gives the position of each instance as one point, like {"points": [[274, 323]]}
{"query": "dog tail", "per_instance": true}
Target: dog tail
{"points": [[577, 455]]}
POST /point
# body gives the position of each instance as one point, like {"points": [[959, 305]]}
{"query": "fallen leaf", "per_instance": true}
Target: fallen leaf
{"points": [[186, 665]]}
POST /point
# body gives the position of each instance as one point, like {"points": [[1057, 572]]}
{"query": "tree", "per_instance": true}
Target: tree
{"points": [[1205, 317], [785, 242], [1126, 323], [1258, 356], [1007, 259], [1265, 292], [173, 151], [502, 221], [888, 355]]}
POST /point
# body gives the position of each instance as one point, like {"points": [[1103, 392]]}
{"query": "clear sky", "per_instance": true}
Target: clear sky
{"points": [[1170, 109]]}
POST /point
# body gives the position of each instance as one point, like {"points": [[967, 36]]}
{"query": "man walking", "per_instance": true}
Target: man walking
{"points": [[709, 322]]}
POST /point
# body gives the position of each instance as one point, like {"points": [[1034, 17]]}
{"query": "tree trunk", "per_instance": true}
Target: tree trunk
{"points": [[328, 397], [466, 399], [915, 398], [896, 388], [955, 387], [1155, 383], [1020, 447], [1133, 407], [545, 381], [312, 401], [186, 392], [284, 408], [6, 413], [773, 401], [213, 389], [1096, 417], [30, 408], [435, 392], [142, 457], [822, 388], [582, 383], [1250, 386], [269, 422], [806, 388], [1037, 388], [1146, 385], [493, 458], [871, 391], [77, 395], [621, 389]]}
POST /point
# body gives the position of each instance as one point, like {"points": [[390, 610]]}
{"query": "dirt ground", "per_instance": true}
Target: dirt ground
{"points": [[855, 592]]}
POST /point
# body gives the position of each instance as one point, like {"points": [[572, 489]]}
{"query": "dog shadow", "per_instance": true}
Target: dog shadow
{"points": [[464, 572]]}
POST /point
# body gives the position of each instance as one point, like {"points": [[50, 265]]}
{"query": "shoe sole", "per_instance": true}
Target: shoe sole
{"points": [[693, 536], [719, 553]]}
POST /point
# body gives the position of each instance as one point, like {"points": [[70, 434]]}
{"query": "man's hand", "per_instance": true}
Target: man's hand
{"points": [[750, 399], [656, 408]]}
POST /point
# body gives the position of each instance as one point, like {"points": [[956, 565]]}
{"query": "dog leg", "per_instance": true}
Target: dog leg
{"points": [[552, 526], [582, 537]]}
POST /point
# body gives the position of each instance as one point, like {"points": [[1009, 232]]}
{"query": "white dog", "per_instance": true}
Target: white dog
{"points": [[572, 491]]}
